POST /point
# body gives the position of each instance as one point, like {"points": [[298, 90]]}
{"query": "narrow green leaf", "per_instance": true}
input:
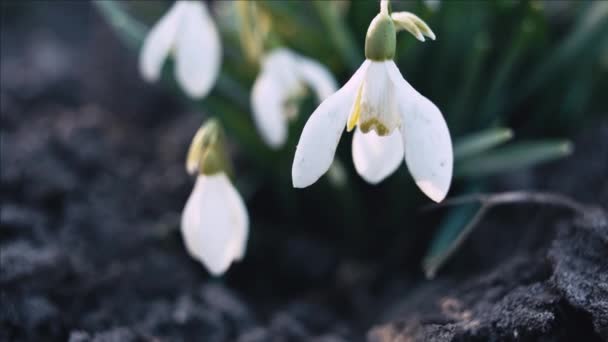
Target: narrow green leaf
{"points": [[131, 31], [456, 225], [512, 157], [476, 143], [593, 23]]}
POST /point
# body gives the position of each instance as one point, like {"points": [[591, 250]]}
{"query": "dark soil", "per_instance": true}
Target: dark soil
{"points": [[92, 185]]}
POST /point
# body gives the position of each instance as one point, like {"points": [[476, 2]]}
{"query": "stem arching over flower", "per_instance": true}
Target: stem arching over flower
{"points": [[393, 121]]}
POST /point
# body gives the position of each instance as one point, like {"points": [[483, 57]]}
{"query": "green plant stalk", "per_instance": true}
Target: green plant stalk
{"points": [[291, 24], [339, 33]]}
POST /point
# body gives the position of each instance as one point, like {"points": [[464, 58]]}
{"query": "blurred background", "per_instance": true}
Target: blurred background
{"points": [[93, 179]]}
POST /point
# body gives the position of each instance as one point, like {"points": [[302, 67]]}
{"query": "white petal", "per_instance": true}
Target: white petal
{"points": [[317, 77], [321, 134], [159, 42], [215, 223], [198, 50], [237, 206], [428, 146], [376, 157], [378, 106], [282, 64], [267, 97]]}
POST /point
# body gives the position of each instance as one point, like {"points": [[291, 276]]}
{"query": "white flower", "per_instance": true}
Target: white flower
{"points": [[188, 31], [282, 78], [393, 119], [215, 224], [433, 5]]}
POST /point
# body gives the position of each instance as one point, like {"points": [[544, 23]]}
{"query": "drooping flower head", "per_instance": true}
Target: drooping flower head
{"points": [[282, 79], [215, 224], [391, 119], [189, 33]]}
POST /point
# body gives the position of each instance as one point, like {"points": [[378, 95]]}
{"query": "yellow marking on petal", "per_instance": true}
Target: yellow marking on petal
{"points": [[376, 125], [355, 113]]}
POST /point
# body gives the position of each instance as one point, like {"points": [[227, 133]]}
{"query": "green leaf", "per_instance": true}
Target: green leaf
{"points": [[476, 143], [457, 224], [593, 23], [339, 33], [512, 157], [131, 31]]}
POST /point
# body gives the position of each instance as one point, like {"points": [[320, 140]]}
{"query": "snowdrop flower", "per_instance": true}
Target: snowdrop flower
{"points": [[282, 79], [433, 5], [391, 119], [186, 30], [215, 224]]}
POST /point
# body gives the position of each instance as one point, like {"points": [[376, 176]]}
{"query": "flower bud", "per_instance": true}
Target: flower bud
{"points": [[207, 153]]}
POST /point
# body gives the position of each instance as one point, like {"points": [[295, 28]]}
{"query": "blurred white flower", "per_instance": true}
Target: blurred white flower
{"points": [[283, 77], [188, 31], [393, 119], [215, 224], [433, 5]]}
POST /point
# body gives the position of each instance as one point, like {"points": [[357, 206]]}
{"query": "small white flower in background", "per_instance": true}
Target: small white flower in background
{"points": [[433, 5], [215, 223], [188, 31], [391, 117], [282, 79]]}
